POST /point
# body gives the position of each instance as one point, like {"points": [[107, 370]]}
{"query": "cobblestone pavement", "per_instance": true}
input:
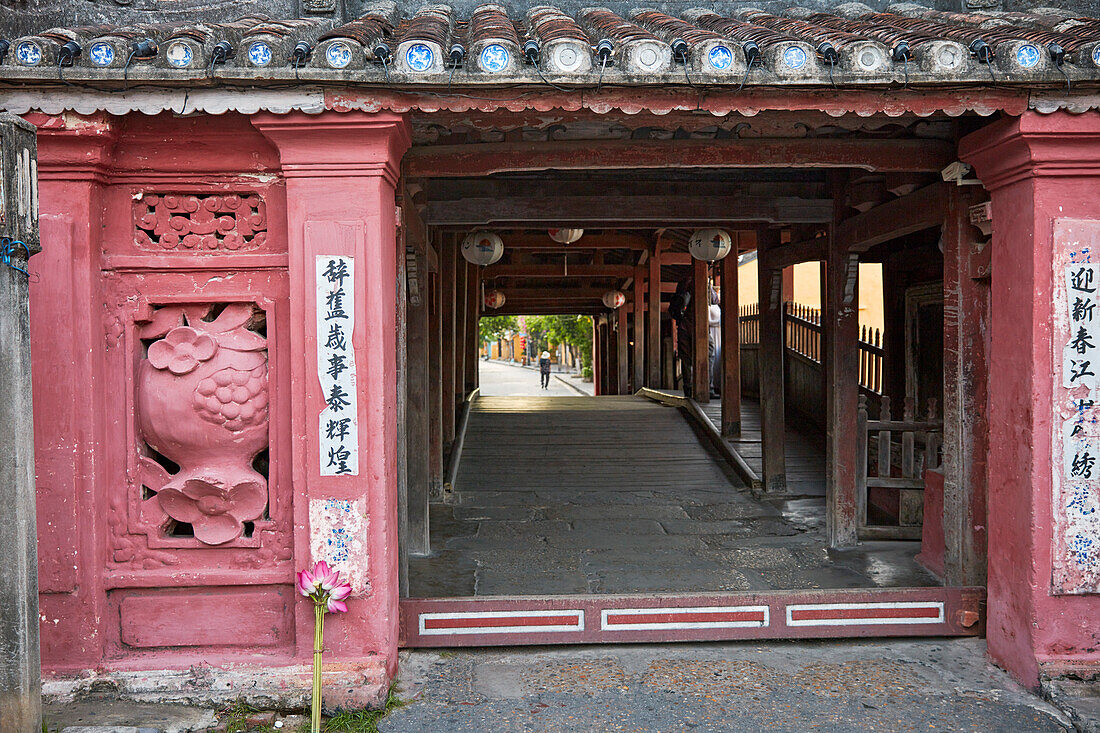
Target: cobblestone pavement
{"points": [[836, 686]]}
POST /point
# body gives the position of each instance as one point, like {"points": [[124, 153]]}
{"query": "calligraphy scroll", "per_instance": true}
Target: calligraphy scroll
{"points": [[1076, 499], [339, 420]]}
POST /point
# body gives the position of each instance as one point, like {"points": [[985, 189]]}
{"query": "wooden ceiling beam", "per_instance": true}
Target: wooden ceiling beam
{"points": [[919, 210], [483, 159], [626, 211], [558, 271], [587, 242]]}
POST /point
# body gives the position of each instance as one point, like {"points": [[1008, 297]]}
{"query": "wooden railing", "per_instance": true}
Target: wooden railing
{"points": [[888, 458], [803, 332]]}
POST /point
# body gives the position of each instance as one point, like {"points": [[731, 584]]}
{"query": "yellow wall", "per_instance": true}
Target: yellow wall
{"points": [[807, 289]]}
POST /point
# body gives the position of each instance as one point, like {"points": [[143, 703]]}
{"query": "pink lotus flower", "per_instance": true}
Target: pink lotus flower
{"points": [[181, 350], [324, 587]]}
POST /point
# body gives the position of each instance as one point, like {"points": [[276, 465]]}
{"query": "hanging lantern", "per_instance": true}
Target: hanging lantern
{"points": [[494, 299], [710, 244], [566, 236], [482, 248], [613, 299]]}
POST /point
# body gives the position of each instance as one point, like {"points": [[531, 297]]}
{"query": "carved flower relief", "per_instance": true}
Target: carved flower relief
{"points": [[216, 514], [182, 350], [203, 404]]}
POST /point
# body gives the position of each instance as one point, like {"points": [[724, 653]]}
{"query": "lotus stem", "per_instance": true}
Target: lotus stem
{"points": [[318, 645]]}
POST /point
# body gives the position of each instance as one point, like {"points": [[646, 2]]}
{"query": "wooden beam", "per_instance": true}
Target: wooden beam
{"points": [[622, 363], [653, 319], [731, 345], [483, 159], [448, 308], [919, 210], [551, 293], [461, 324], [792, 253], [473, 315], [840, 322], [558, 271], [626, 211], [587, 242], [435, 380], [638, 352], [417, 408], [700, 303], [771, 358]]}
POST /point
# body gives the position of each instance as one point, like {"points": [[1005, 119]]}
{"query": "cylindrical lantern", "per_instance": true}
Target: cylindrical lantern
{"points": [[482, 248], [566, 236], [710, 244], [613, 299], [494, 299]]}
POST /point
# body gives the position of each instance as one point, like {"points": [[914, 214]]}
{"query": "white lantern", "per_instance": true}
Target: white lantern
{"points": [[613, 299], [494, 299], [482, 248], [566, 236], [710, 244]]}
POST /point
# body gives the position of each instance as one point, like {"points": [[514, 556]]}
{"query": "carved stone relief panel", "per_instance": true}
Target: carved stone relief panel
{"points": [[202, 418], [199, 222]]}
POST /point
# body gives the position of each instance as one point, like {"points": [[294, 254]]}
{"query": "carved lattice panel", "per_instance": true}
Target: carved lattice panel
{"points": [[213, 222]]}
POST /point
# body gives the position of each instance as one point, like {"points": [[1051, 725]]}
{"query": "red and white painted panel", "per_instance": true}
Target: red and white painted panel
{"points": [[710, 617]]}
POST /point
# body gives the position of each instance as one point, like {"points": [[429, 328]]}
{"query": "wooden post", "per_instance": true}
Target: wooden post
{"points": [[622, 357], [606, 357], [473, 314], [731, 345], [965, 378], [597, 358], [840, 327], [435, 387], [653, 337], [448, 250], [770, 359], [461, 324], [416, 413], [700, 303], [639, 328]]}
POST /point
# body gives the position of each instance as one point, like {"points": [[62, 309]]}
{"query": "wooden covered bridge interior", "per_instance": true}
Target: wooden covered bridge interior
{"points": [[828, 468]]}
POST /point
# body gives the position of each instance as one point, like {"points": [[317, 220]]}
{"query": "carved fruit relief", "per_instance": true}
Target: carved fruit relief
{"points": [[203, 406]]}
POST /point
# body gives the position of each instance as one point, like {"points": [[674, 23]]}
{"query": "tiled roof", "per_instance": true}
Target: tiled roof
{"points": [[852, 47]]}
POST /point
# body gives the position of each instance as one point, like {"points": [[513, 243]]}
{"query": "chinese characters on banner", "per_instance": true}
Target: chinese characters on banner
{"points": [[339, 426], [1076, 506]]}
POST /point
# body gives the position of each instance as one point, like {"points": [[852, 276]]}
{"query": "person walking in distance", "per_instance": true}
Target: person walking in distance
{"points": [[544, 369], [681, 311]]}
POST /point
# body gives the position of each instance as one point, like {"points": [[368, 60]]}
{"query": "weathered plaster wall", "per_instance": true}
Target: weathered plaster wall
{"points": [[1037, 169]]}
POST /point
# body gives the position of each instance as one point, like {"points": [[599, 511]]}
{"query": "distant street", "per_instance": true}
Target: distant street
{"points": [[506, 380]]}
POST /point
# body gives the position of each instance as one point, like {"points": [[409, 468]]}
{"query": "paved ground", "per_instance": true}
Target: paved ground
{"points": [[566, 495], [499, 379], [926, 685]]}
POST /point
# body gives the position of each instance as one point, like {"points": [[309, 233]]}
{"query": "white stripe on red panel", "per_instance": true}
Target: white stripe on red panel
{"points": [[500, 622], [859, 614], [699, 617]]}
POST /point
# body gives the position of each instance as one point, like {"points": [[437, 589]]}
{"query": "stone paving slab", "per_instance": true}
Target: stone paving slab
{"points": [[834, 686]]}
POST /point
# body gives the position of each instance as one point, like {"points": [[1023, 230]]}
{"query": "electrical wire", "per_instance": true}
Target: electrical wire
{"points": [[126, 71]]}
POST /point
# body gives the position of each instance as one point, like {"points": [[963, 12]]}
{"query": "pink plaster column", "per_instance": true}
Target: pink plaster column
{"points": [[1042, 171], [341, 170], [74, 157]]}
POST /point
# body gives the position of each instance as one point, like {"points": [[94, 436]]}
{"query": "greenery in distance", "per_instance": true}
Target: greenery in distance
{"points": [[542, 331]]}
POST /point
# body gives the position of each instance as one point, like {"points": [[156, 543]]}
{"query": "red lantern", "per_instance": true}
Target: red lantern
{"points": [[494, 299]]}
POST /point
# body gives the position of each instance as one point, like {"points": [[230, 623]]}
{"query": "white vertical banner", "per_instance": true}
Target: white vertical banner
{"points": [[339, 420], [1081, 355]]}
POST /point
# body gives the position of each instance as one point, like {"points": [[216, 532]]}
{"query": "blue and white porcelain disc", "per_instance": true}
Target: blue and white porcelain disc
{"points": [[419, 57], [1027, 56], [1096, 55], [28, 53], [259, 53], [794, 57], [494, 58], [179, 55], [720, 57], [338, 55], [102, 54]]}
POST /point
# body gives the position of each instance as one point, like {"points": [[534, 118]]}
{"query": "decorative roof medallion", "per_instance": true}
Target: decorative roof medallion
{"points": [[720, 57], [794, 57], [1027, 56], [419, 57], [338, 55], [259, 53], [495, 58], [102, 53], [28, 53], [179, 55]]}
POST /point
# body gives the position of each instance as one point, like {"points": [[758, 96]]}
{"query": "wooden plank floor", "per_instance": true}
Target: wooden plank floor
{"points": [[606, 495], [805, 453]]}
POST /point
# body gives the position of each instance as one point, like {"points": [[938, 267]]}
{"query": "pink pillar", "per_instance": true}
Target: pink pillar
{"points": [[1043, 173], [341, 170]]}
